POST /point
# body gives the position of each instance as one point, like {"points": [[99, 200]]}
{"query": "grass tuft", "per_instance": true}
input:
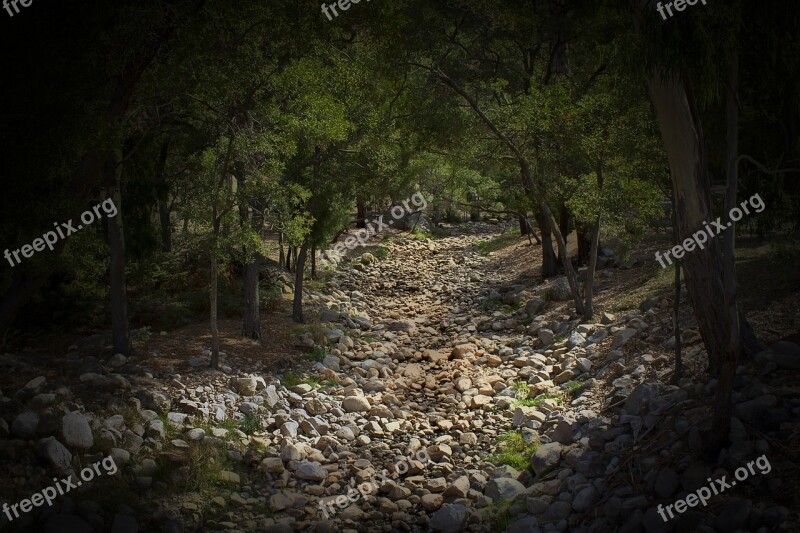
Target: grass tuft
{"points": [[512, 450]]}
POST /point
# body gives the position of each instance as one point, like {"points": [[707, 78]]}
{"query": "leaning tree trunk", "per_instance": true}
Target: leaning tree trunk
{"points": [[116, 243], [682, 133], [563, 227]]}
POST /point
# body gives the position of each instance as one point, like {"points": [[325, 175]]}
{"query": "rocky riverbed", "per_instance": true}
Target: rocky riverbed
{"points": [[507, 411]]}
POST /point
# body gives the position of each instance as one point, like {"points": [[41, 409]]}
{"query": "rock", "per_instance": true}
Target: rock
{"points": [[287, 500], [546, 336], [621, 337], [156, 429], [785, 355], [244, 386], [450, 518], [431, 502], [667, 482], [525, 525], [585, 499], [54, 453], [310, 470], [546, 458], [328, 315], [650, 303], [226, 476], [273, 465], [32, 388], [117, 360], [76, 432], [505, 489], [355, 404], [124, 523], [559, 291], [607, 318], [25, 424], [575, 339], [67, 523], [641, 397], [535, 306], [754, 408], [733, 516], [458, 489], [332, 362]]}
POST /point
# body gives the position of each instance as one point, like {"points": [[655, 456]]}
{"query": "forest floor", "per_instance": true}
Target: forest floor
{"points": [[449, 355]]}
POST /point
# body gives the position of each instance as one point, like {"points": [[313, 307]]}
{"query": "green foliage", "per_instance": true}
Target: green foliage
{"points": [[250, 424], [513, 450], [316, 354]]}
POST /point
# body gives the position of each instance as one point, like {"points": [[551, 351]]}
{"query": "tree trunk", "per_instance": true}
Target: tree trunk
{"points": [[594, 247], [163, 199], [280, 248], [585, 235], [723, 407], [116, 243], [682, 133], [251, 324], [300, 264], [549, 263], [563, 226], [313, 262], [361, 214], [212, 297], [523, 226]]}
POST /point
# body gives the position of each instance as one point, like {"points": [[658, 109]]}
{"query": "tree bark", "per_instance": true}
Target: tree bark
{"points": [[723, 407], [116, 243], [361, 213], [251, 323], [682, 133], [594, 246], [523, 226], [584, 241], [549, 262], [300, 264]]}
